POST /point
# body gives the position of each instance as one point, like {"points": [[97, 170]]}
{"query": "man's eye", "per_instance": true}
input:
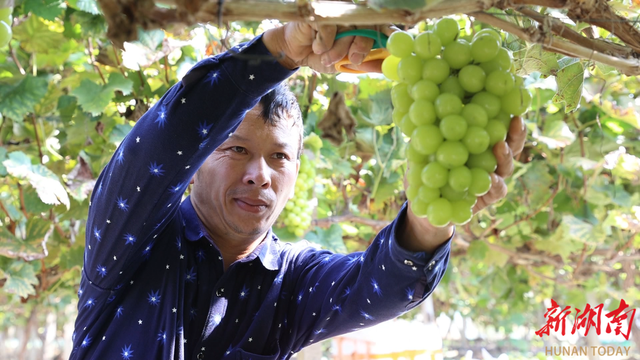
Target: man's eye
{"points": [[281, 156], [238, 149]]}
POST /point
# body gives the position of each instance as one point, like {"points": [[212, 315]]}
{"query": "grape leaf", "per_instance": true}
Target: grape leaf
{"points": [[569, 79], [18, 100], [36, 36], [90, 6], [46, 183], [330, 239], [582, 231], [72, 257], [537, 181], [46, 9], [537, 59], [94, 98], [557, 134], [20, 279], [478, 250]]}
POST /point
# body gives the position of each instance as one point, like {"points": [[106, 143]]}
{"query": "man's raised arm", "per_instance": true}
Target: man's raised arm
{"points": [[142, 185]]}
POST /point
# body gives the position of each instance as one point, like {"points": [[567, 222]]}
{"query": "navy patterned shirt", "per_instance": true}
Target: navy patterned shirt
{"points": [[153, 284]]}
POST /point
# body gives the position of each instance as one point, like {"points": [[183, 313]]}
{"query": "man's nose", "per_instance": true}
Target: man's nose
{"points": [[258, 173]]}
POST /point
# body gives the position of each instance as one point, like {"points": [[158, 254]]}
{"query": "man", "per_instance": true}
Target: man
{"points": [[206, 278]]}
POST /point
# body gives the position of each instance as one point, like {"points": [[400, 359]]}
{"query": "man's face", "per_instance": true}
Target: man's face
{"points": [[244, 184]]}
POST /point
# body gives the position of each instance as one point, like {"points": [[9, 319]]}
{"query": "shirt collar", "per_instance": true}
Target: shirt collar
{"points": [[268, 250]]}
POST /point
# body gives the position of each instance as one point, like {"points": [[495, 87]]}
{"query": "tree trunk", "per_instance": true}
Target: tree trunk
{"points": [[27, 332]]}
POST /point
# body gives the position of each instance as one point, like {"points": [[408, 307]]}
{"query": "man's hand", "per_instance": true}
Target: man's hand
{"points": [[419, 235], [301, 44]]}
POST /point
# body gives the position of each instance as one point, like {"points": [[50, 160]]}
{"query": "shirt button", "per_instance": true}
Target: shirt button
{"points": [[408, 262], [200, 356]]}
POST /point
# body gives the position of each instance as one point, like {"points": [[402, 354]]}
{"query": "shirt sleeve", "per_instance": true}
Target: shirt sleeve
{"points": [[141, 187], [339, 293]]}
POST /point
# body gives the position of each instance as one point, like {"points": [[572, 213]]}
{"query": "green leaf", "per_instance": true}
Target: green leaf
{"points": [[330, 239], [569, 79], [67, 106], [46, 183], [557, 134], [94, 98], [18, 100], [46, 9], [537, 59], [32, 201], [537, 181], [72, 257], [37, 37], [119, 132], [90, 6], [21, 279], [151, 38], [48, 186], [582, 231], [18, 164], [478, 250]]}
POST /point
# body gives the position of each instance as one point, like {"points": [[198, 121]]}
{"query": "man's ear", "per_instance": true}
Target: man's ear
{"points": [[193, 179], [293, 190]]}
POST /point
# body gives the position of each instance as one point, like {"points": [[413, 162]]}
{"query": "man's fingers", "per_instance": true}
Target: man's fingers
{"points": [[517, 135], [324, 40], [504, 157], [497, 191], [338, 51], [360, 48]]}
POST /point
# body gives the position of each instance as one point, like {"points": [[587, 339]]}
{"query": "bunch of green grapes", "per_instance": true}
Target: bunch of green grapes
{"points": [[455, 100], [5, 25], [296, 215]]}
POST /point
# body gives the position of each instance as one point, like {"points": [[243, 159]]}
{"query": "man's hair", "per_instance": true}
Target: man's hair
{"points": [[281, 104]]}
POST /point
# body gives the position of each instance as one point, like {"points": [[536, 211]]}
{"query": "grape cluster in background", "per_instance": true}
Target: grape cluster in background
{"points": [[455, 100], [5, 25], [296, 215]]}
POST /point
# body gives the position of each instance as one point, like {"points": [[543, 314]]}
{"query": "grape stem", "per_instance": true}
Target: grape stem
{"points": [[383, 165]]}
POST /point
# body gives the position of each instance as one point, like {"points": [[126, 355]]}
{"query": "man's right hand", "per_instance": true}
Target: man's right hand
{"points": [[300, 44]]}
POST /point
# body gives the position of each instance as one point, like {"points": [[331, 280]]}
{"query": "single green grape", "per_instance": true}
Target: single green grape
{"points": [[407, 126], [504, 118], [422, 112], [497, 132], [480, 182], [504, 58], [476, 140], [452, 86], [5, 15], [397, 116], [424, 89], [447, 104], [484, 48], [472, 78], [436, 70], [460, 178], [410, 69], [435, 175], [470, 199], [439, 212], [461, 212], [412, 192], [427, 45], [450, 194], [491, 32], [426, 139], [400, 97], [390, 67], [490, 102], [414, 174], [419, 207], [457, 54], [453, 127], [452, 154], [5, 34], [499, 82], [485, 161], [447, 30], [475, 115], [516, 102], [400, 44], [428, 194], [415, 156]]}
